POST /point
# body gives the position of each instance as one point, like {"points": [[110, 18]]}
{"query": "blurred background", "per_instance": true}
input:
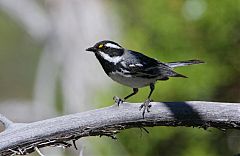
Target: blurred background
{"points": [[45, 71]]}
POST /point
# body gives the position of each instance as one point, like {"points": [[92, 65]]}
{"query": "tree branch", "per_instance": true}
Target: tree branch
{"points": [[5, 121], [25, 138]]}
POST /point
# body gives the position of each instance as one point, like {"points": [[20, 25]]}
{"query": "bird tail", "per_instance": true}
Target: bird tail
{"points": [[175, 74], [183, 63]]}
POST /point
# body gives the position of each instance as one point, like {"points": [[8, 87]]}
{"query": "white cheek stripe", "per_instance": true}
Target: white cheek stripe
{"points": [[110, 45], [115, 59]]}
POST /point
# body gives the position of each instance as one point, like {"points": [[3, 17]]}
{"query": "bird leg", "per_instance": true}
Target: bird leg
{"points": [[135, 90], [146, 105], [119, 101]]}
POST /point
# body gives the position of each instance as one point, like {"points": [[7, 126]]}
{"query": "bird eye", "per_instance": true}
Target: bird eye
{"points": [[100, 46]]}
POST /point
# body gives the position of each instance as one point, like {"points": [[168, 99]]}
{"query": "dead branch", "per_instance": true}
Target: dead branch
{"points": [[63, 131]]}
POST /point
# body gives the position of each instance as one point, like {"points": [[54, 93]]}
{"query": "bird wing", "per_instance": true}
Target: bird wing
{"points": [[141, 65]]}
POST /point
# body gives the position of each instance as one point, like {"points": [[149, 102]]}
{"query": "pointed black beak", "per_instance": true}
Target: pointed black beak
{"points": [[92, 49]]}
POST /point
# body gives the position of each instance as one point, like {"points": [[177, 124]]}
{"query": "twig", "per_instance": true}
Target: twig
{"points": [[38, 151], [5, 121]]}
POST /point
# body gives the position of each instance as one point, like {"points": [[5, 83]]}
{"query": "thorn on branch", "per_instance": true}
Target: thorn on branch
{"points": [[74, 144], [20, 150], [62, 144], [14, 152], [38, 151], [113, 136], [143, 128]]}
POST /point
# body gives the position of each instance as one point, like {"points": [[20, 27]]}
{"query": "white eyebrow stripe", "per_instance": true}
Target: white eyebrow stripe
{"points": [[115, 59], [110, 45]]}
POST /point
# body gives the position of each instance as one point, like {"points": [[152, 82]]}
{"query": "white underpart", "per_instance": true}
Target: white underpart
{"points": [[131, 81], [110, 45], [115, 59]]}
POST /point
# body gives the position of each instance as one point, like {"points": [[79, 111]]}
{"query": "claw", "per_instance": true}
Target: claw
{"points": [[117, 100], [145, 106], [140, 108]]}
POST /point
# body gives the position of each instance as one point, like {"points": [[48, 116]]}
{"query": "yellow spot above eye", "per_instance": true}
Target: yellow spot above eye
{"points": [[100, 46]]}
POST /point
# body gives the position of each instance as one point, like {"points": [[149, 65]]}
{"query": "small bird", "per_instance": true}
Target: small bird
{"points": [[134, 69]]}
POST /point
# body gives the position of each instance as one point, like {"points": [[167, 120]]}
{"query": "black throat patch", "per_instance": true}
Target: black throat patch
{"points": [[107, 66]]}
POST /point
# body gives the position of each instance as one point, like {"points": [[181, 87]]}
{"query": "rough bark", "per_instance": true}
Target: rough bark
{"points": [[23, 138]]}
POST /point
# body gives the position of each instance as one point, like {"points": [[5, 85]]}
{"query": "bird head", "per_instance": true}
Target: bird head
{"points": [[106, 47]]}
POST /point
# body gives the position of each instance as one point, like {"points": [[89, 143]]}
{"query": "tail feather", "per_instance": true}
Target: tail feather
{"points": [[183, 63], [175, 74]]}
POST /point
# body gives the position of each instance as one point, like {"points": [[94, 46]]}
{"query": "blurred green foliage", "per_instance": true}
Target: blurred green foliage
{"points": [[181, 30]]}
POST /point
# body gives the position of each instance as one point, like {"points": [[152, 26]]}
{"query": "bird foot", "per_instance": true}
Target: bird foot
{"points": [[117, 100], [145, 106]]}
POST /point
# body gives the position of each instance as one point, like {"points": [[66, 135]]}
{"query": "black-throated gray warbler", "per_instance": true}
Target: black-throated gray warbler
{"points": [[134, 69]]}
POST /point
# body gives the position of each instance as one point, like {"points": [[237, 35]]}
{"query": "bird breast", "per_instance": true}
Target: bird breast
{"points": [[130, 80]]}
